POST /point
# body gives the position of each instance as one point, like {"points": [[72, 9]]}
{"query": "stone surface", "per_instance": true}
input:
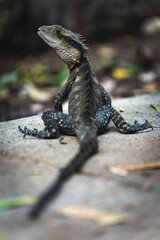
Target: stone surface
{"points": [[28, 166]]}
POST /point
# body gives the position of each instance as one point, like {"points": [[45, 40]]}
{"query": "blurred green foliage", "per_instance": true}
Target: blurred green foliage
{"points": [[61, 77], [133, 69], [130, 71], [7, 80], [38, 74], [103, 63], [10, 203], [156, 107]]}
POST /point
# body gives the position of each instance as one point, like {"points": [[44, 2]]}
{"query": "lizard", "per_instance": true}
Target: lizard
{"points": [[89, 106]]}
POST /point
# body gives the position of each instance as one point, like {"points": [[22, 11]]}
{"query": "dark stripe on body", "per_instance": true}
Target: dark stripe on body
{"points": [[72, 43]]}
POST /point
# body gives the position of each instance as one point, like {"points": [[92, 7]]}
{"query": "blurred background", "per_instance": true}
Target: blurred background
{"points": [[123, 36]]}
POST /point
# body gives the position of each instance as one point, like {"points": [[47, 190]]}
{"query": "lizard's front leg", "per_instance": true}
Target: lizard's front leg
{"points": [[55, 122], [58, 102], [63, 93]]}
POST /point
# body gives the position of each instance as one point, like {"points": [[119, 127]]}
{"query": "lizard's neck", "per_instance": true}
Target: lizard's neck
{"points": [[80, 65]]}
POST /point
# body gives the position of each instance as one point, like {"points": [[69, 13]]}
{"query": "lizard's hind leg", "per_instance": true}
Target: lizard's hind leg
{"points": [[54, 122], [125, 127], [102, 118]]}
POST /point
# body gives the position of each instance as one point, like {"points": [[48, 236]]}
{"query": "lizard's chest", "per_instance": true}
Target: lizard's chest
{"points": [[85, 97]]}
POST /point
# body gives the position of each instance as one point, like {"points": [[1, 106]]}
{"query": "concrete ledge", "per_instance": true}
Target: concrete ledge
{"points": [[29, 165]]}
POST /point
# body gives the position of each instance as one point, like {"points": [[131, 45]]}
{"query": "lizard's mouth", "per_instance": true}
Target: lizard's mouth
{"points": [[45, 35]]}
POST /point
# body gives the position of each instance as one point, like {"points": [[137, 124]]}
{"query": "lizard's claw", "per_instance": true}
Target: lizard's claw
{"points": [[148, 125], [22, 130], [38, 134], [26, 131], [142, 126]]}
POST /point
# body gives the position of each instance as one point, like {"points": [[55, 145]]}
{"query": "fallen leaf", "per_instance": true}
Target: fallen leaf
{"points": [[9, 203], [122, 170], [120, 73], [121, 110], [101, 217], [150, 87], [156, 107], [117, 171]]}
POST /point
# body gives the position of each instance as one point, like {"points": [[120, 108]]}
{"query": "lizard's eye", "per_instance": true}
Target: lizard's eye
{"points": [[57, 32]]}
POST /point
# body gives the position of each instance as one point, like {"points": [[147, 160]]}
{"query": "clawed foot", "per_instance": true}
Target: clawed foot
{"points": [[35, 133], [39, 134], [26, 131], [141, 127]]}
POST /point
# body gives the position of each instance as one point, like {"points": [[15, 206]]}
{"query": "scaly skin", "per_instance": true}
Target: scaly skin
{"points": [[90, 108]]}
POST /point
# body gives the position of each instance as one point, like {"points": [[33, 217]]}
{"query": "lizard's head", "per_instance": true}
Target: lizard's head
{"points": [[68, 45]]}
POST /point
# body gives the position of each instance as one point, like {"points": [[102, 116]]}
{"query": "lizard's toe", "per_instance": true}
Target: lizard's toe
{"points": [[146, 125], [22, 130], [149, 125]]}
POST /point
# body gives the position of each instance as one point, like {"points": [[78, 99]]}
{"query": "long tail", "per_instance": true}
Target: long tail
{"points": [[88, 146]]}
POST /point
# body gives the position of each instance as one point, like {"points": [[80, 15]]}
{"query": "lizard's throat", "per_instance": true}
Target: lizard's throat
{"points": [[69, 57]]}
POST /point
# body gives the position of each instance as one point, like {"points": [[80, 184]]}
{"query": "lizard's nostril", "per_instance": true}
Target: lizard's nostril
{"points": [[42, 28]]}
